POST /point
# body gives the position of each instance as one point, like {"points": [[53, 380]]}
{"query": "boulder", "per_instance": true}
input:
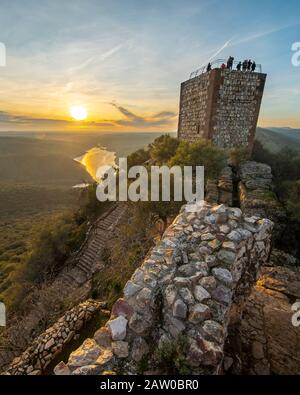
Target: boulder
{"points": [[118, 328], [86, 354]]}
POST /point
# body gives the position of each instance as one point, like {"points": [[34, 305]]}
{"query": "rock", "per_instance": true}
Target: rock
{"points": [[187, 270], [210, 219], [201, 293], [211, 260], [229, 245], [235, 236], [62, 369], [131, 289], [267, 320], [103, 337], [224, 229], [211, 353], [221, 209], [139, 323], [186, 295], [179, 309], [182, 281], [105, 359], [198, 313], [88, 370], [207, 237], [49, 344], [222, 294], [176, 327], [257, 350], [108, 373], [139, 349], [223, 275], [228, 362], [86, 354], [194, 355], [235, 213], [265, 227], [256, 175], [215, 244], [122, 307], [144, 297], [118, 328], [120, 349], [226, 256], [213, 331], [170, 294], [138, 276], [209, 283]]}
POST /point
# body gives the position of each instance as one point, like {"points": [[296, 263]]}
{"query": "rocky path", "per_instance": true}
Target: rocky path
{"points": [[88, 260]]}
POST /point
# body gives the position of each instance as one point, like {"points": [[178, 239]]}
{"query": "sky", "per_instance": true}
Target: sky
{"points": [[124, 60]]}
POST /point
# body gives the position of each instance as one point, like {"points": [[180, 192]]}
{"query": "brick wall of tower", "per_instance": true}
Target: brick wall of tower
{"points": [[222, 106]]}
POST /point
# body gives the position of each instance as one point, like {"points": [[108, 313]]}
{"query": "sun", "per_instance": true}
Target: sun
{"points": [[79, 113]]}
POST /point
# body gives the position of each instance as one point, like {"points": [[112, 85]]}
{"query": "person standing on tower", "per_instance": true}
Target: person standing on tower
{"points": [[208, 67], [249, 65], [239, 66], [253, 67]]}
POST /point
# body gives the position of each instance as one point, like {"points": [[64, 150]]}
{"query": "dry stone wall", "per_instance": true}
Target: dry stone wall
{"points": [[256, 195], [184, 289], [50, 343]]}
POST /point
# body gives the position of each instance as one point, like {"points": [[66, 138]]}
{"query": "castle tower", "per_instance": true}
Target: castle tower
{"points": [[222, 106]]}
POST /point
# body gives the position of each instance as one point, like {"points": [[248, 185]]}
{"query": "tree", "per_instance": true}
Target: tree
{"points": [[200, 153], [163, 148], [138, 157]]}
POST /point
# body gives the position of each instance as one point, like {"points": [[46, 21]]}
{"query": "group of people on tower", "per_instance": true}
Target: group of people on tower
{"points": [[247, 65]]}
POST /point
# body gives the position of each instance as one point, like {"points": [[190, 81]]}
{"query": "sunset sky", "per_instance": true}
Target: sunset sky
{"points": [[123, 60]]}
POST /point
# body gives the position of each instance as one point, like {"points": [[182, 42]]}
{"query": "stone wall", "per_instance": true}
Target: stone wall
{"points": [[49, 344], [256, 194], [222, 106], [194, 99], [184, 289]]}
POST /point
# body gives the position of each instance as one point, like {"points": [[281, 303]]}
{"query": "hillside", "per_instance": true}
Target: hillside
{"points": [[275, 139]]}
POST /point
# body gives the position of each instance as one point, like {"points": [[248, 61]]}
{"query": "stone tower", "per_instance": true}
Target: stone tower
{"points": [[222, 106]]}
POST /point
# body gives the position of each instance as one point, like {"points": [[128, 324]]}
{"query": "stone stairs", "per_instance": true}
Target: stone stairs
{"points": [[88, 259]]}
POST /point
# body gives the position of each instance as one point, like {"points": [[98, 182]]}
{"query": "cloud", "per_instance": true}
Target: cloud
{"points": [[160, 119], [9, 118], [262, 34], [225, 45]]}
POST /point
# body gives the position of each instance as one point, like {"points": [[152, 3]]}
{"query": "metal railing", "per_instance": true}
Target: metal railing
{"points": [[216, 64]]}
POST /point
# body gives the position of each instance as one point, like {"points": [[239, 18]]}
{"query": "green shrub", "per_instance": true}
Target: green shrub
{"points": [[170, 356]]}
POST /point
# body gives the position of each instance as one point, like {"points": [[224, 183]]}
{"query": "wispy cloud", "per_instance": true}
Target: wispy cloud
{"points": [[131, 119], [261, 34], [225, 45]]}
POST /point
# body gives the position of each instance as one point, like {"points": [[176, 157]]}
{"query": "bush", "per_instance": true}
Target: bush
{"points": [[138, 157], [200, 153], [163, 148], [51, 245], [171, 356]]}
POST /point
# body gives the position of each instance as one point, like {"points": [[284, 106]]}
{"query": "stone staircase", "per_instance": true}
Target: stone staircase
{"points": [[87, 259]]}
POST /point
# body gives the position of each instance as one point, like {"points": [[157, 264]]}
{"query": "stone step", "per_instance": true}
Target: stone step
{"points": [[84, 267]]}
